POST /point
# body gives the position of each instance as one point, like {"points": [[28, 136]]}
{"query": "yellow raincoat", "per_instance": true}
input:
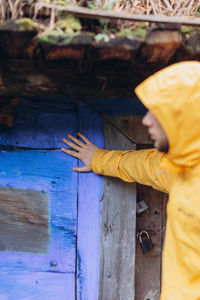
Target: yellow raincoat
{"points": [[173, 95]]}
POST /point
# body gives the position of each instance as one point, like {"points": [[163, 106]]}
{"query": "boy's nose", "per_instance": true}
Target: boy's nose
{"points": [[146, 121]]}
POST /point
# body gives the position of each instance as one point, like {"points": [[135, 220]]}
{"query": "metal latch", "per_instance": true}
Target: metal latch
{"points": [[141, 207]]}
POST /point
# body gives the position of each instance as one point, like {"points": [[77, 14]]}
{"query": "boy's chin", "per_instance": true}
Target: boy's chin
{"points": [[162, 147]]}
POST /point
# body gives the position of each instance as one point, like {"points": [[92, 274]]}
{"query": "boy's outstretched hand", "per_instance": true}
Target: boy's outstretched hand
{"points": [[83, 151]]}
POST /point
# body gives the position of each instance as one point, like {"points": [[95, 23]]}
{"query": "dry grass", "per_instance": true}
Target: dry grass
{"points": [[160, 7], [13, 9]]}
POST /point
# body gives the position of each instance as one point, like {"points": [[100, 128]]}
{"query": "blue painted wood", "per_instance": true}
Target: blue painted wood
{"points": [[24, 285], [50, 275], [50, 172], [41, 125], [53, 100], [110, 107], [89, 197], [118, 107]]}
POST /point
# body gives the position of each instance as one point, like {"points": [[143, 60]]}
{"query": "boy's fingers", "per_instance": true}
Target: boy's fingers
{"points": [[75, 140], [84, 138], [71, 152], [81, 169], [72, 145]]}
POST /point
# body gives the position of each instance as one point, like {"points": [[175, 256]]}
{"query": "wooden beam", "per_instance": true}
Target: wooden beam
{"points": [[89, 201], [117, 246], [113, 15]]}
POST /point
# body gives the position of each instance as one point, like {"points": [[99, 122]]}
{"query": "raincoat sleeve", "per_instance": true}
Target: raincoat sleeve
{"points": [[142, 166]]}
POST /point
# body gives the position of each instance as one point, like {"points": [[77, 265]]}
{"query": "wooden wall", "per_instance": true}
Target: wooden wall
{"points": [[31, 161], [147, 267], [49, 215], [117, 237], [39, 200]]}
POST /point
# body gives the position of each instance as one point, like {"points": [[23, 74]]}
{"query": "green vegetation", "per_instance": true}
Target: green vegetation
{"points": [[26, 24], [54, 24], [102, 37], [66, 39], [69, 24], [188, 29], [139, 31]]}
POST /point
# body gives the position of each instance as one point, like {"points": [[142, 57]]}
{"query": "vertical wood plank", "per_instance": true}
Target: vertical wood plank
{"points": [[89, 196], [117, 247], [164, 221], [148, 267]]}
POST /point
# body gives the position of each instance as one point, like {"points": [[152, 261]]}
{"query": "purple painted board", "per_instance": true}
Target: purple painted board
{"points": [[40, 125], [48, 275], [24, 285], [89, 197], [50, 172]]}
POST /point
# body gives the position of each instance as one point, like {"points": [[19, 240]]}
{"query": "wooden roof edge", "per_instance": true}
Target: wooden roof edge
{"points": [[85, 12], [157, 45]]}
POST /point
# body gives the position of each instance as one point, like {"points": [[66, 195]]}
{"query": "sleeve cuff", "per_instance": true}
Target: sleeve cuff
{"points": [[96, 158]]}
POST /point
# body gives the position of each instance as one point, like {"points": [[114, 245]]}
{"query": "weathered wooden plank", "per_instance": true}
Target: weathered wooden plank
{"points": [[108, 79], [165, 198], [131, 126], [117, 230], [24, 218], [40, 125], [148, 266], [24, 285], [89, 197], [49, 172], [115, 15]]}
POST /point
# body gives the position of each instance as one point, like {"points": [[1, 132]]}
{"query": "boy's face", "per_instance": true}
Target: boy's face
{"points": [[156, 132]]}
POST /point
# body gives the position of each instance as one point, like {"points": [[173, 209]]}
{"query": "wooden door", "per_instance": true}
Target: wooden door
{"points": [[44, 207], [118, 222]]}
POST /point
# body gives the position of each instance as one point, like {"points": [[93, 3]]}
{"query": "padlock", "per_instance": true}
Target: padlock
{"points": [[141, 207], [145, 243]]}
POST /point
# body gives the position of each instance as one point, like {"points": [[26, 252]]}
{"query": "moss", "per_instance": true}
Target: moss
{"points": [[47, 40], [54, 32], [139, 31], [65, 32], [69, 24], [189, 30], [26, 24], [62, 40]]}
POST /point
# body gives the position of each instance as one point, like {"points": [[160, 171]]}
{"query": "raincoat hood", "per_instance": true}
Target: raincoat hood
{"points": [[173, 95]]}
